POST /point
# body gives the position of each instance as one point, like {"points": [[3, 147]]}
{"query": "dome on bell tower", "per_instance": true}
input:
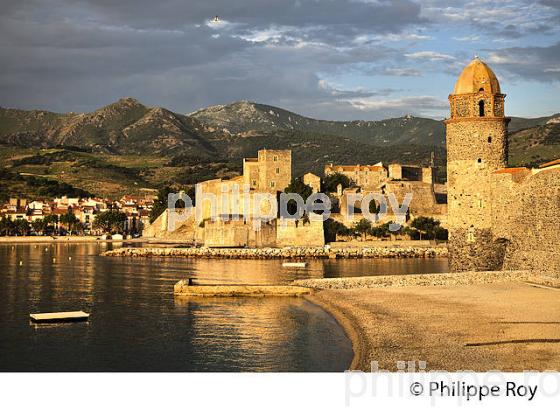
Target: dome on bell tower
{"points": [[477, 77]]}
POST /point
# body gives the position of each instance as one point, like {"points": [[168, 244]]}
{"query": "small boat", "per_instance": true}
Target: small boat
{"points": [[76, 316], [294, 264]]}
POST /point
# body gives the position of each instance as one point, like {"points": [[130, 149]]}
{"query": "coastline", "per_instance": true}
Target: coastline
{"points": [[348, 324], [325, 252], [63, 239], [480, 325]]}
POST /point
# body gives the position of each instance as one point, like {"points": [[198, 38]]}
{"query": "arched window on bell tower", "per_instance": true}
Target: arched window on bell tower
{"points": [[481, 108]]}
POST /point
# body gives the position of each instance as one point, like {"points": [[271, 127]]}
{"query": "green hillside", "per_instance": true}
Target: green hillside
{"points": [[127, 147], [246, 118]]}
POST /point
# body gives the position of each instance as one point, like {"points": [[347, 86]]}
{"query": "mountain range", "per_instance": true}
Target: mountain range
{"points": [[130, 147]]}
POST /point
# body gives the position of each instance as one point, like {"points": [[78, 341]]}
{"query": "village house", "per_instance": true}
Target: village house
{"points": [[85, 210]]}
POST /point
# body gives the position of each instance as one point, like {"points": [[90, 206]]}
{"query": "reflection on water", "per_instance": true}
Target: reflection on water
{"points": [[136, 324]]}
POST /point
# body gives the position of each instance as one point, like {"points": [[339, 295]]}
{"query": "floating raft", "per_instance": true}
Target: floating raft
{"points": [[182, 288], [76, 316], [294, 264]]}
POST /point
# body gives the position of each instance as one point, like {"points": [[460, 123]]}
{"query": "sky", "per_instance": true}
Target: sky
{"points": [[327, 59]]}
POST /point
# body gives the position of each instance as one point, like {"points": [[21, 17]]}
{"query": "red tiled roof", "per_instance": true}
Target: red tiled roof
{"points": [[59, 211], [356, 167], [551, 163], [510, 170]]}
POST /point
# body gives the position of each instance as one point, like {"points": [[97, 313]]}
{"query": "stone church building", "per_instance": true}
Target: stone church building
{"points": [[498, 217]]}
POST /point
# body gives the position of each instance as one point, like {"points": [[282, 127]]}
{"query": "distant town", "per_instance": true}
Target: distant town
{"points": [[147, 215], [75, 216]]}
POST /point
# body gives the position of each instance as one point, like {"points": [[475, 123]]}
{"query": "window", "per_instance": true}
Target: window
{"points": [[489, 140], [470, 235], [272, 184], [481, 108], [481, 89], [277, 170], [479, 161], [254, 182], [275, 158]]}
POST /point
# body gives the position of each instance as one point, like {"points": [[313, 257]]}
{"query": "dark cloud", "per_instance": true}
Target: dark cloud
{"points": [[505, 18], [551, 3], [81, 54], [379, 16], [529, 63]]}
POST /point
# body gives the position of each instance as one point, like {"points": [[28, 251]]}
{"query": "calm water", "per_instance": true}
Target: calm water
{"points": [[137, 325]]}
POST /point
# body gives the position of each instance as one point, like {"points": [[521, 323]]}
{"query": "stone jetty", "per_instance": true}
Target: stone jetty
{"points": [[183, 288], [283, 253], [426, 279]]}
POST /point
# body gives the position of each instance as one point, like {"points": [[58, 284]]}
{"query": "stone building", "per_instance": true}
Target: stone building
{"points": [[230, 219], [498, 217], [394, 179], [368, 177], [271, 171], [312, 180], [411, 173]]}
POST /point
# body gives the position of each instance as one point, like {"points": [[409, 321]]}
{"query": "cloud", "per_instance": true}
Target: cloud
{"points": [[391, 37], [77, 55], [529, 63], [425, 106], [401, 72], [344, 18], [512, 18], [429, 55], [471, 38]]}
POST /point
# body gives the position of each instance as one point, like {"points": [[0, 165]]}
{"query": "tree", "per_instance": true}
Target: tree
{"points": [[373, 207], [160, 204], [381, 231], [21, 227], [51, 222], [7, 226], [69, 220], [297, 186], [333, 228], [330, 182], [428, 228], [362, 227], [441, 233], [110, 221], [39, 226]]}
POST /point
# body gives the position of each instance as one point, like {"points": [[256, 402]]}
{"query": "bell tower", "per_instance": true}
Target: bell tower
{"points": [[476, 148]]}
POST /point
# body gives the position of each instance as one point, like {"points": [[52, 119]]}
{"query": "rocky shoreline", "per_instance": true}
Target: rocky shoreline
{"points": [[283, 253], [426, 279]]}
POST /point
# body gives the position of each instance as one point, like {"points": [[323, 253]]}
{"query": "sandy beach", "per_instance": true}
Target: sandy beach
{"points": [[507, 326]]}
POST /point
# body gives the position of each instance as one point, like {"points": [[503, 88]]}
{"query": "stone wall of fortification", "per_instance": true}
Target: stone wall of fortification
{"points": [[423, 197], [525, 219], [185, 229], [298, 233], [239, 234]]}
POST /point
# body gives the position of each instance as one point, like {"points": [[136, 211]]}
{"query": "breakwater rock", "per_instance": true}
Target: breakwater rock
{"points": [[425, 279], [283, 253]]}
